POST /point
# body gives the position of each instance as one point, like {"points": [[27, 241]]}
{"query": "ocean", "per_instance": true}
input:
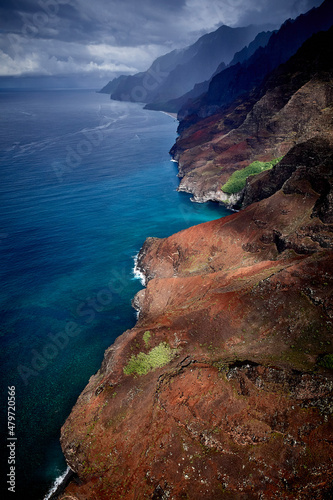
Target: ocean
{"points": [[84, 181]]}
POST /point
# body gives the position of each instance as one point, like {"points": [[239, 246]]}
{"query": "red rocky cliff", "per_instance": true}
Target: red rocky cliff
{"points": [[224, 387], [292, 105]]}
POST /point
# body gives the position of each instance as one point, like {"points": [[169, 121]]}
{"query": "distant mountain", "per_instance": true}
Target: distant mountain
{"points": [[174, 105], [111, 86], [172, 75], [261, 40], [243, 76]]}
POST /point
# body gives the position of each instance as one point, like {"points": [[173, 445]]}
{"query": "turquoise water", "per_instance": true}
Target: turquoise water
{"points": [[84, 180]]}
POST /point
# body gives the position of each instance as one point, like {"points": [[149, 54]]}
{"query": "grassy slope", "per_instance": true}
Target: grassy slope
{"points": [[237, 181]]}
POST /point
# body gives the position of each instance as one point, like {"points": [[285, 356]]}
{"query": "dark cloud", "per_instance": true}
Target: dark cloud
{"points": [[282, 10], [101, 39]]}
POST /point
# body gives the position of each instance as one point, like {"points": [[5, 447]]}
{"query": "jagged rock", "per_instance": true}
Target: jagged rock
{"points": [[309, 161]]}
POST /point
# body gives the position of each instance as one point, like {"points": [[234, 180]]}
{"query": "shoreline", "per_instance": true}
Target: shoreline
{"points": [[173, 115], [60, 484], [137, 273], [68, 476]]}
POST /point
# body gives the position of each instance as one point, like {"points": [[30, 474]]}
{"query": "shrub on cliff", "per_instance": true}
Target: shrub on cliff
{"points": [[237, 181], [144, 363]]}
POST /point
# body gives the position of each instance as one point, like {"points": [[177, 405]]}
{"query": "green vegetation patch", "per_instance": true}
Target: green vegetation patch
{"points": [[146, 338], [326, 361], [237, 180], [144, 363]]}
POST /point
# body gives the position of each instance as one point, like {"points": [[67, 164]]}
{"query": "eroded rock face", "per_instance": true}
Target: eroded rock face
{"points": [[293, 105], [242, 408], [308, 162]]}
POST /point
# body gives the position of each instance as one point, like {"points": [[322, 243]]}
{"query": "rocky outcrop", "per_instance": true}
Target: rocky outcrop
{"points": [[293, 105], [112, 85], [224, 388], [304, 161]]}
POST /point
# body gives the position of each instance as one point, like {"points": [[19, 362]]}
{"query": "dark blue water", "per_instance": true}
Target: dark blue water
{"points": [[84, 180]]}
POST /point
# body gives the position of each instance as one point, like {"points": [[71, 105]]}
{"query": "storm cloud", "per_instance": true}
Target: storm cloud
{"points": [[91, 42]]}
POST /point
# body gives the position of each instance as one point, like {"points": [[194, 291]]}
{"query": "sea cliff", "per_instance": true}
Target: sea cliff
{"points": [[223, 389], [293, 104]]}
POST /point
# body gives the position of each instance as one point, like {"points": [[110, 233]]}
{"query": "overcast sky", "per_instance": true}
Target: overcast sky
{"points": [[87, 42]]}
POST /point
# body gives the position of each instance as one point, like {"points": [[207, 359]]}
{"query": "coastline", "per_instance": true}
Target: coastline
{"points": [[173, 115], [244, 272], [137, 273], [60, 485], [275, 367], [68, 476], [61, 482]]}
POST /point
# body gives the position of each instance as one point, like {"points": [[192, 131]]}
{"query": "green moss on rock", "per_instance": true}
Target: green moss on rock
{"points": [[237, 180], [146, 338], [144, 363]]}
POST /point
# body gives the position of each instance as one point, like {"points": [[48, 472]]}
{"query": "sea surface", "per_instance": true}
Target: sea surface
{"points": [[84, 180]]}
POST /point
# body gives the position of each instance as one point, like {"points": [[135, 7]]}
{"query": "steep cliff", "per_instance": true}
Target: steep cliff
{"points": [[174, 105], [175, 73], [234, 81], [224, 387], [293, 104], [112, 85]]}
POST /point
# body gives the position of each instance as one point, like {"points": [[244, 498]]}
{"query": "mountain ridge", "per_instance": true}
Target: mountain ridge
{"points": [[175, 73], [239, 79], [199, 88]]}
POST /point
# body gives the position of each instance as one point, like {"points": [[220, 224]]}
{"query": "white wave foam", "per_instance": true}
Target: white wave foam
{"points": [[138, 275], [56, 484], [32, 147], [98, 127]]}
